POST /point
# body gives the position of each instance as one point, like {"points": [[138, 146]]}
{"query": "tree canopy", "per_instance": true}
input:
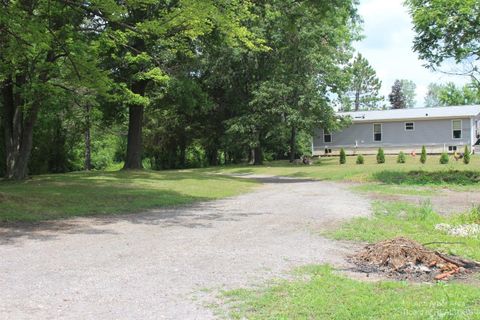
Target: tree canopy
{"points": [[167, 84], [447, 29]]}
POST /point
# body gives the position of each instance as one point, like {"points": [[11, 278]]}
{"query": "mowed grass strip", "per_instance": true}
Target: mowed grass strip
{"points": [[327, 295], [328, 168], [57, 196]]}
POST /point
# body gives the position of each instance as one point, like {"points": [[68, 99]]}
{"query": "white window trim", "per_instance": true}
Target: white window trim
{"points": [[461, 129], [405, 126], [381, 132], [327, 133]]}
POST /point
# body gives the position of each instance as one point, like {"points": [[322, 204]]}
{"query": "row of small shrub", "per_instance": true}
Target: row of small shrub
{"points": [[401, 158]]}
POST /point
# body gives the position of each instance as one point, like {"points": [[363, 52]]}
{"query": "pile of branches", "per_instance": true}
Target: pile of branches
{"points": [[406, 259]]}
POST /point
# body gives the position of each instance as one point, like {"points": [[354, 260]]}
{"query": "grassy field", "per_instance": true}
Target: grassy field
{"points": [[79, 194], [82, 194], [329, 169], [326, 295]]}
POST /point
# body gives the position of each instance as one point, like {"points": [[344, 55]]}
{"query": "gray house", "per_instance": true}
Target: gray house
{"points": [[438, 129]]}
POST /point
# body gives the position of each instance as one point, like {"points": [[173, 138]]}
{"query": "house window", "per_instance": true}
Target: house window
{"points": [[327, 136], [328, 151], [457, 129], [452, 148], [377, 132], [409, 126]]}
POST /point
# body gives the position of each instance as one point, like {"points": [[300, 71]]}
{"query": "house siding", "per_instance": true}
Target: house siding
{"points": [[434, 133]]}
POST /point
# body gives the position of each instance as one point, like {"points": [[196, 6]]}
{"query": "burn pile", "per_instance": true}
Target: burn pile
{"points": [[405, 259]]}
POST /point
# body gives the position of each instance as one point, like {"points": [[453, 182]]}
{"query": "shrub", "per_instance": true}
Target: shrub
{"points": [[380, 156], [466, 155], [360, 159], [401, 157], [444, 158], [423, 157], [343, 157]]}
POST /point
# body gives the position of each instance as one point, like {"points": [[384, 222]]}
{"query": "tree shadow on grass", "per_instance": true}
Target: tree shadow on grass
{"points": [[200, 214]]}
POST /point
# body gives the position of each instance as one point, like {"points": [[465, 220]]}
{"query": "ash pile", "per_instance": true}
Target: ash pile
{"points": [[405, 259]]}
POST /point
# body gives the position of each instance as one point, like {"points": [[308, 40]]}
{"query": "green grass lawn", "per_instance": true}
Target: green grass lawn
{"points": [[329, 168], [327, 295], [79, 194], [82, 194]]}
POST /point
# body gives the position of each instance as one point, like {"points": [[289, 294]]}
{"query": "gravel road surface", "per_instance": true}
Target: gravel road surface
{"points": [[169, 263]]}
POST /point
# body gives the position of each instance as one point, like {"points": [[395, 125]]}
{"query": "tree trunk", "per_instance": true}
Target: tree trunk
{"points": [[133, 160], [293, 143], [18, 131], [357, 100], [88, 147], [257, 156]]}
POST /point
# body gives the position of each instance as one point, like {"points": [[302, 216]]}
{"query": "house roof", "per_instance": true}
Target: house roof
{"points": [[413, 114]]}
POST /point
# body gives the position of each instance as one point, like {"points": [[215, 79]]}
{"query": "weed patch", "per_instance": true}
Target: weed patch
{"points": [[420, 177], [399, 219]]}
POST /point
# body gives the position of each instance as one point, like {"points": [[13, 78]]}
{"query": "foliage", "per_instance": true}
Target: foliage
{"points": [[320, 292], [432, 98], [364, 86], [380, 156], [343, 157], [423, 156], [447, 29], [397, 97], [360, 159], [466, 155], [182, 83], [448, 177], [444, 158], [401, 157]]}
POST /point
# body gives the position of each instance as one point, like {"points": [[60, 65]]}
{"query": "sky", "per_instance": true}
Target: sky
{"points": [[388, 43]]}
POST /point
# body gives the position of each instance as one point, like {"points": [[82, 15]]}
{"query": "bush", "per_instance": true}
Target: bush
{"points": [[466, 155], [380, 156], [444, 158], [343, 157], [423, 157], [360, 159], [401, 157]]}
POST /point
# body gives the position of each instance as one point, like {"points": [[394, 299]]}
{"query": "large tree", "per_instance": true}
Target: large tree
{"points": [[447, 29], [364, 86], [45, 46], [150, 34], [310, 41]]}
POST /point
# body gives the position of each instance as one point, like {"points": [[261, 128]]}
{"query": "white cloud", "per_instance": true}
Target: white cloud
{"points": [[388, 46]]}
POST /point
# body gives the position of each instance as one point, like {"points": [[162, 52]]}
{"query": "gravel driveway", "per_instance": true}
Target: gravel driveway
{"points": [[168, 263]]}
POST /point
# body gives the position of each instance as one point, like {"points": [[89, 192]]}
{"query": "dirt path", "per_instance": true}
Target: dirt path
{"points": [[169, 263], [444, 202]]}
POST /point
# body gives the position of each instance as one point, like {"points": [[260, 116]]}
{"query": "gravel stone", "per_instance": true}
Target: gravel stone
{"points": [[170, 263]]}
